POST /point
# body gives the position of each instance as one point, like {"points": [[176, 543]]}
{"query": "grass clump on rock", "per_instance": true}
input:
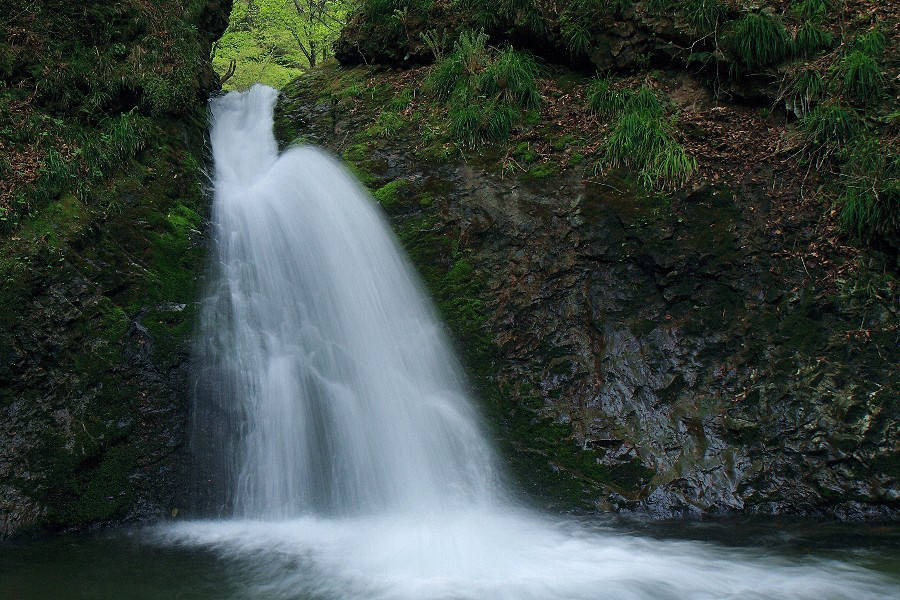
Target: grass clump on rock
{"points": [[642, 136], [487, 90], [759, 40], [858, 73]]}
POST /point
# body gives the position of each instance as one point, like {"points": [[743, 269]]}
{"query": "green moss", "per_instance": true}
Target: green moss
{"points": [[525, 153], [543, 170], [387, 124], [564, 142], [356, 152], [390, 195], [99, 491]]}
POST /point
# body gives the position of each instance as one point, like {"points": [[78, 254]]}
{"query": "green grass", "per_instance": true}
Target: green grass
{"points": [[872, 43], [860, 77], [871, 201], [811, 10], [511, 78], [828, 127], [644, 142], [642, 136], [605, 100], [487, 91], [809, 40], [703, 15], [759, 40], [807, 90]]}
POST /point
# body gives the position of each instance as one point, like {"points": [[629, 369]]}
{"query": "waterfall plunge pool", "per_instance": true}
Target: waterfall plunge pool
{"points": [[558, 558]]}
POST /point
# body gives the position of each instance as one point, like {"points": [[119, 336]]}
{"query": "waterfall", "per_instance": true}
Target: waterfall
{"points": [[320, 359], [334, 432]]}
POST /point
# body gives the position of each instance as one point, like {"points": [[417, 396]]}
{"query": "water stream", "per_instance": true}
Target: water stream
{"points": [[338, 453]]}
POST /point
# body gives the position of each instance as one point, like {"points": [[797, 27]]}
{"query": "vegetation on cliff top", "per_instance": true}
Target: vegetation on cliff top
{"points": [[801, 54]]}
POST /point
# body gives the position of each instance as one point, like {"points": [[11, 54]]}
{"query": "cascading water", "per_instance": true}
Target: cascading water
{"points": [[333, 423], [319, 353]]}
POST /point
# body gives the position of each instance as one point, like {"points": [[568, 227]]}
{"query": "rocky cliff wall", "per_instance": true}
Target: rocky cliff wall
{"points": [[102, 128], [669, 354]]}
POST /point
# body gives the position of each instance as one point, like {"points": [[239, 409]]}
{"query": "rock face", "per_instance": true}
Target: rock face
{"points": [[666, 356], [99, 286]]}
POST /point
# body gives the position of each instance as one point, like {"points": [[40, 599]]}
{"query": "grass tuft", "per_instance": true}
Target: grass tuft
{"points": [[828, 128], [642, 137], [871, 200], [860, 77], [809, 40], [759, 40], [703, 15], [811, 10], [807, 90], [604, 100], [487, 90]]}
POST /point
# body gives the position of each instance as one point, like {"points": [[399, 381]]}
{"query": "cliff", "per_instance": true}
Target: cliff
{"points": [[102, 204], [691, 334]]}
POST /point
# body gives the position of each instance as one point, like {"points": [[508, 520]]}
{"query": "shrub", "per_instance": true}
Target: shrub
{"points": [[758, 40]]}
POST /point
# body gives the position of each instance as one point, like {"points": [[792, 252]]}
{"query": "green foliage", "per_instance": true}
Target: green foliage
{"points": [[758, 39], [575, 22], [642, 136], [703, 15], [603, 99], [811, 10], [807, 90], [860, 77], [829, 126], [511, 78], [810, 39], [871, 43], [487, 90], [469, 56], [644, 142], [274, 41], [871, 200]]}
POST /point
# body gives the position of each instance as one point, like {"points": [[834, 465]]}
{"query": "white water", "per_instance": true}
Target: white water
{"points": [[340, 436]]}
